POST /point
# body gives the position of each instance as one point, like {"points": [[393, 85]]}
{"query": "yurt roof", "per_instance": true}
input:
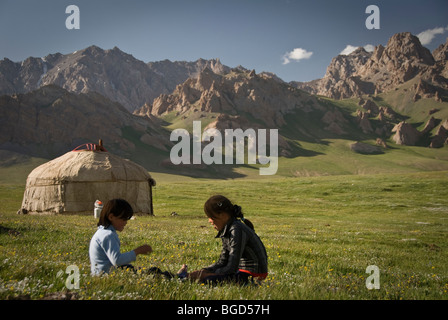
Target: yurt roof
{"points": [[86, 165]]}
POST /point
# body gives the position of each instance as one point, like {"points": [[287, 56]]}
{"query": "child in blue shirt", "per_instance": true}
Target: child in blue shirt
{"points": [[104, 250]]}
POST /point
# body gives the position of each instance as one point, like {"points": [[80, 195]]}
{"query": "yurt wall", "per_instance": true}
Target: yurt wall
{"points": [[74, 181]]}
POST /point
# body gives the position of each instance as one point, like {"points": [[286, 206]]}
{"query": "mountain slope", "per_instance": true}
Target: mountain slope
{"points": [[177, 72], [243, 99], [340, 81], [112, 73], [404, 78], [378, 104], [361, 73], [51, 121]]}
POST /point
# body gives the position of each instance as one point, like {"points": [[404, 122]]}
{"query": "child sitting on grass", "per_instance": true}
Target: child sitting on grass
{"points": [[243, 254], [104, 250]]}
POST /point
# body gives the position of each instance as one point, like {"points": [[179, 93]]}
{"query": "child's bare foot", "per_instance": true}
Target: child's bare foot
{"points": [[183, 272]]}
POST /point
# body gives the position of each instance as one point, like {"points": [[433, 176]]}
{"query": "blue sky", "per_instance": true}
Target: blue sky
{"points": [[294, 39]]}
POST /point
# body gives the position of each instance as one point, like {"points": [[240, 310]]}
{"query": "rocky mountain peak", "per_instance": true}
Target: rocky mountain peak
{"points": [[206, 79], [360, 51], [93, 50], [214, 65], [441, 52], [405, 46], [113, 73], [401, 60], [238, 92], [361, 72], [344, 66]]}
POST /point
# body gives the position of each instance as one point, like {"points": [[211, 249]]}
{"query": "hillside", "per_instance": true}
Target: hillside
{"points": [[385, 111], [112, 73], [401, 60], [317, 135], [403, 81], [50, 121]]}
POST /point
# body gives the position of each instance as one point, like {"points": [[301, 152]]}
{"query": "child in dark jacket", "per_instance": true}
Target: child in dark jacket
{"points": [[243, 253]]}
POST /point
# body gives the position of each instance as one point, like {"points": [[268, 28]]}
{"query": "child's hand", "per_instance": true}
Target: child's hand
{"points": [[144, 249]]}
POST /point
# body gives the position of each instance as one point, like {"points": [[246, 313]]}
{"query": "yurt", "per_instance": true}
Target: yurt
{"points": [[71, 183]]}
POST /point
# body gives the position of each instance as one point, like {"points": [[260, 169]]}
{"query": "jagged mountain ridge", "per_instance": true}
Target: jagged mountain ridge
{"points": [[122, 78], [236, 98], [382, 70], [244, 99], [177, 72], [264, 98], [114, 74]]}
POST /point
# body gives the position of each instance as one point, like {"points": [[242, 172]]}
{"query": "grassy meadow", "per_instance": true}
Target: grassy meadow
{"points": [[321, 233]]}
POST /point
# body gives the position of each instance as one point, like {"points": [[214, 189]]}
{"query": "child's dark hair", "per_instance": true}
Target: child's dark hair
{"points": [[119, 208], [218, 204]]}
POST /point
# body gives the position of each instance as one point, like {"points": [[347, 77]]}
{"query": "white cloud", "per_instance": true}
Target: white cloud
{"points": [[427, 36], [297, 54], [349, 49], [369, 47]]}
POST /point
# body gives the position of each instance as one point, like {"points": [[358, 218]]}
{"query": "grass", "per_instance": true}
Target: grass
{"points": [[402, 101], [334, 157], [321, 233]]}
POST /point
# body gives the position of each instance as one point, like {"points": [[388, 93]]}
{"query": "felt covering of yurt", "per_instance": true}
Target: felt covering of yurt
{"points": [[72, 183]]}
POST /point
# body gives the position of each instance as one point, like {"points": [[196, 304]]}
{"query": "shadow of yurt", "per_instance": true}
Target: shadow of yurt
{"points": [[71, 183]]}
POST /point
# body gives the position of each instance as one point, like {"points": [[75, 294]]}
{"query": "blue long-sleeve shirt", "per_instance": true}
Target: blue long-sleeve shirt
{"points": [[104, 251]]}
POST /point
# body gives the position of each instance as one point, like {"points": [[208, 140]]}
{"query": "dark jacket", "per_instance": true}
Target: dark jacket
{"points": [[241, 249]]}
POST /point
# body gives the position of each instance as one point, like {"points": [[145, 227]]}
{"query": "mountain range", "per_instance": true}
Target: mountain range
{"points": [[111, 73], [384, 69], [397, 94]]}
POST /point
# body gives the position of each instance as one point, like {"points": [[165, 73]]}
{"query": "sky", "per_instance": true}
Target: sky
{"points": [[295, 39]]}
